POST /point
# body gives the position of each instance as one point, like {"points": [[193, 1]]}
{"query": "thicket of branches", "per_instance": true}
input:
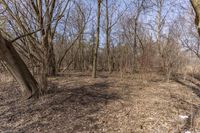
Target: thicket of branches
{"points": [[53, 37]]}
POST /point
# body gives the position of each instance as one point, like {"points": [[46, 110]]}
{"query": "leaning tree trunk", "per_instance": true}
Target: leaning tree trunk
{"points": [[18, 69], [196, 7]]}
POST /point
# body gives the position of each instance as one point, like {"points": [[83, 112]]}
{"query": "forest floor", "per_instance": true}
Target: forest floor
{"points": [[140, 103]]}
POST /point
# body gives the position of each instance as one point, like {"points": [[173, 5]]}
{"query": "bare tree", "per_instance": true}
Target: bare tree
{"points": [[78, 20], [162, 9], [42, 16], [108, 38], [94, 67]]}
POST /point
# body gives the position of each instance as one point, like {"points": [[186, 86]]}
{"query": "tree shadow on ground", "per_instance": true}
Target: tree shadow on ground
{"points": [[86, 95], [61, 109]]}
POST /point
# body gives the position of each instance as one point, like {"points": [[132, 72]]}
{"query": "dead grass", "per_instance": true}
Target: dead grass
{"points": [[5, 78], [77, 103]]}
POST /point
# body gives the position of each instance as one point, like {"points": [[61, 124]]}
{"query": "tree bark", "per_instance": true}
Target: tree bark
{"points": [[135, 46], [158, 30], [94, 67], [196, 7], [109, 64], [51, 61], [19, 70]]}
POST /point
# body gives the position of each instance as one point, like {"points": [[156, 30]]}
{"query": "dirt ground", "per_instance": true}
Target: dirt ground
{"points": [[76, 103]]}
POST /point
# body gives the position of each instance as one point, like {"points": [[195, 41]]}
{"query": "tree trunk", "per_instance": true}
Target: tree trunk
{"points": [[196, 7], [18, 69], [94, 67], [135, 47], [109, 64], [44, 66], [158, 30], [81, 54], [51, 61]]}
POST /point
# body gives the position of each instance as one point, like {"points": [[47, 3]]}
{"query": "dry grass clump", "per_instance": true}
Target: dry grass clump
{"points": [[5, 78]]}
